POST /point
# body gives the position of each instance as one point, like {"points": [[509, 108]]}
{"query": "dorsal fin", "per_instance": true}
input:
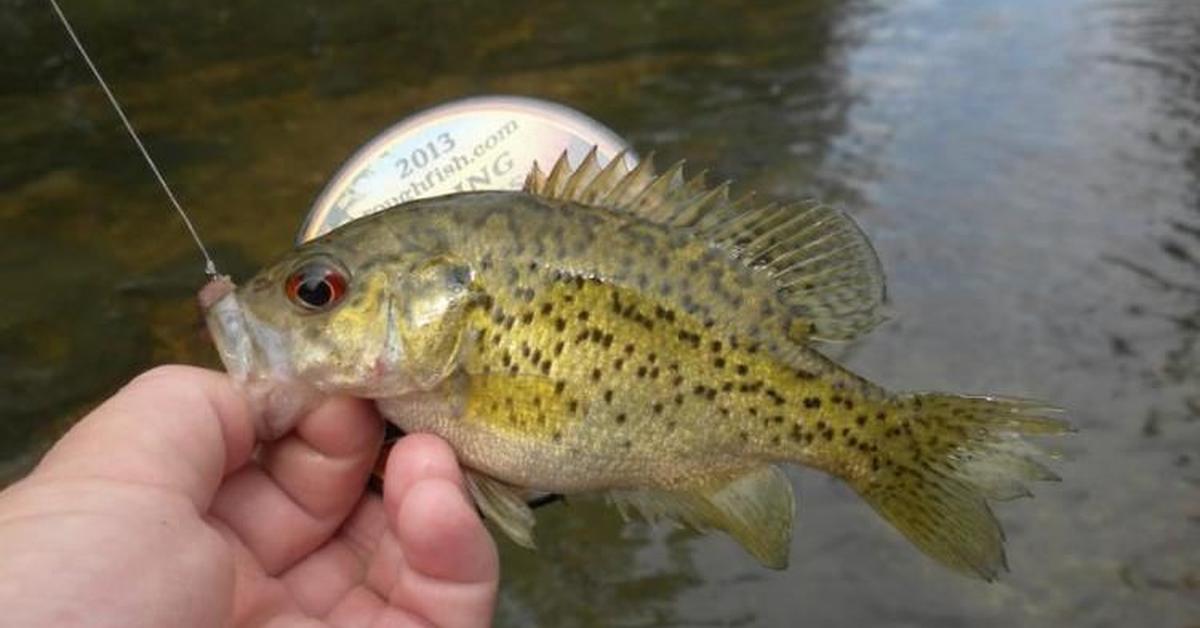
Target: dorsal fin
{"points": [[820, 261]]}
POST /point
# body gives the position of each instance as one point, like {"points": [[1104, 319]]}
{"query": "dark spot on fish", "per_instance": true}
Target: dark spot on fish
{"points": [[557, 436], [607, 340], [820, 426], [654, 373], [677, 381], [678, 399], [558, 348], [546, 366], [572, 406], [743, 436], [827, 434], [719, 363], [880, 416], [658, 407], [547, 308], [629, 349], [812, 402], [627, 444], [618, 364], [608, 394], [583, 315], [620, 418], [559, 386], [596, 375], [560, 324], [670, 426], [742, 369], [775, 440], [527, 318]]}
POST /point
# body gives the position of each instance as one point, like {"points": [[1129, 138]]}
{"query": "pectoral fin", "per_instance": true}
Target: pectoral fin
{"points": [[755, 508], [504, 506]]}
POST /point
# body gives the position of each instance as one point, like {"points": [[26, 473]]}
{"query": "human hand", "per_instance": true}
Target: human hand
{"points": [[152, 511]]}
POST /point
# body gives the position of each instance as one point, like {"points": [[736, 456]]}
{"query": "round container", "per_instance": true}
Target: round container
{"points": [[482, 143]]}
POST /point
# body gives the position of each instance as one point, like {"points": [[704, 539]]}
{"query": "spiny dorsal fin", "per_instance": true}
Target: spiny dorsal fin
{"points": [[822, 264]]}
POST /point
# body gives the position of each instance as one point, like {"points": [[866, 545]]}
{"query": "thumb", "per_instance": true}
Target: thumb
{"points": [[178, 427]]}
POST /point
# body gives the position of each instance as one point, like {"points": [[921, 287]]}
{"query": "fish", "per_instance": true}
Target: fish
{"points": [[643, 336]]}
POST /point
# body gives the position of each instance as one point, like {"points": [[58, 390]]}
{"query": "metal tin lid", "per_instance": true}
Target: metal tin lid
{"points": [[482, 143]]}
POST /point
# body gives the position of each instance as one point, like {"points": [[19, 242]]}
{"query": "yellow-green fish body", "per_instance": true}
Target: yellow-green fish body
{"points": [[638, 335]]}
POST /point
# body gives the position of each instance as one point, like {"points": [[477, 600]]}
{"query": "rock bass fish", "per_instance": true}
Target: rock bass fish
{"points": [[639, 335]]}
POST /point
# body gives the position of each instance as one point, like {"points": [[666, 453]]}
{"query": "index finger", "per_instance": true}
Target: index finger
{"points": [[178, 427]]}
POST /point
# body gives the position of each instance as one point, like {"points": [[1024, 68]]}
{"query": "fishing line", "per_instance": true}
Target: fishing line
{"points": [[210, 268]]}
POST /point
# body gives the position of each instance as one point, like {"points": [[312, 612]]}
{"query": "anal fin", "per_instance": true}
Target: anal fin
{"points": [[756, 508]]}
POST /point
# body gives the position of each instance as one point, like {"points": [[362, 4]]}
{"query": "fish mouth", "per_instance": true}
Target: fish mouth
{"points": [[227, 325], [247, 348]]}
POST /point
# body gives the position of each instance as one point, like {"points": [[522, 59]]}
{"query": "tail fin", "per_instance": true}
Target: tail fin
{"points": [[941, 457]]}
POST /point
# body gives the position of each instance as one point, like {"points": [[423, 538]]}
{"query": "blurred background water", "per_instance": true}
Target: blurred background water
{"points": [[1029, 171]]}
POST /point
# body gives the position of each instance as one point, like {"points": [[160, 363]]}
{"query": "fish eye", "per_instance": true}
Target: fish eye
{"points": [[316, 286]]}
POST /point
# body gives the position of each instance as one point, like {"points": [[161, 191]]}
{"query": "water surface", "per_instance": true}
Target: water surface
{"points": [[1029, 171]]}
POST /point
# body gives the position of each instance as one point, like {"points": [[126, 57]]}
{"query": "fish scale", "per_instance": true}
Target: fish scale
{"points": [[638, 336], [628, 373]]}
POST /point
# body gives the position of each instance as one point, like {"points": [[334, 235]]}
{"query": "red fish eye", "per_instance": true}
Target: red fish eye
{"points": [[316, 286]]}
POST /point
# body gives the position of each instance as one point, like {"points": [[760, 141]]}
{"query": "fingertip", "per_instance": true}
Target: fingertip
{"points": [[414, 458], [442, 536]]}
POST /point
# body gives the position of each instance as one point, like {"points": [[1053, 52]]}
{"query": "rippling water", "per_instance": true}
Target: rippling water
{"points": [[1030, 172]]}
